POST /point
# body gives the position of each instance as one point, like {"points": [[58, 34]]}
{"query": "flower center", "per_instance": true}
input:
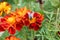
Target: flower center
{"points": [[11, 20], [32, 19]]}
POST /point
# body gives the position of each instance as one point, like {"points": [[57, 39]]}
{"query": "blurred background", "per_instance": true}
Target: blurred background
{"points": [[50, 29]]}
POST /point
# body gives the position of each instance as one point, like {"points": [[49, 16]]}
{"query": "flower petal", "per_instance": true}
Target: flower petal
{"points": [[31, 26], [1, 28], [12, 38], [11, 30], [34, 26], [26, 22], [19, 25], [37, 15]]}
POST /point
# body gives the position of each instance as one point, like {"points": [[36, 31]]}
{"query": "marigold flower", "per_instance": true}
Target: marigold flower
{"points": [[15, 20], [22, 11], [12, 38], [34, 20], [11, 24], [5, 7]]}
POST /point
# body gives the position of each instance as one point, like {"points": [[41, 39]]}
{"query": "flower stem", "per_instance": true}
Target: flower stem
{"points": [[32, 35], [24, 34]]}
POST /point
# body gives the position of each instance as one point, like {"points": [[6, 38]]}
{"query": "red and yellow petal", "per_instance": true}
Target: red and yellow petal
{"points": [[5, 25], [33, 20], [11, 20]]}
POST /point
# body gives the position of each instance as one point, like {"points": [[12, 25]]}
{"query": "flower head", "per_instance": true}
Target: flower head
{"points": [[5, 7], [12, 38], [22, 11], [34, 20]]}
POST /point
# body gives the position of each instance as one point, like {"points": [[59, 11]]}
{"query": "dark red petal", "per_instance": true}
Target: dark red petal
{"points": [[26, 15], [26, 22], [38, 21], [19, 26], [1, 28], [36, 15], [32, 25], [5, 25], [11, 30], [41, 18], [36, 27], [3, 20]]}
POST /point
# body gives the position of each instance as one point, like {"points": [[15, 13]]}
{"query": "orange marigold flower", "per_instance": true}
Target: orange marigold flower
{"points": [[11, 24], [22, 11], [5, 7], [12, 38]]}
